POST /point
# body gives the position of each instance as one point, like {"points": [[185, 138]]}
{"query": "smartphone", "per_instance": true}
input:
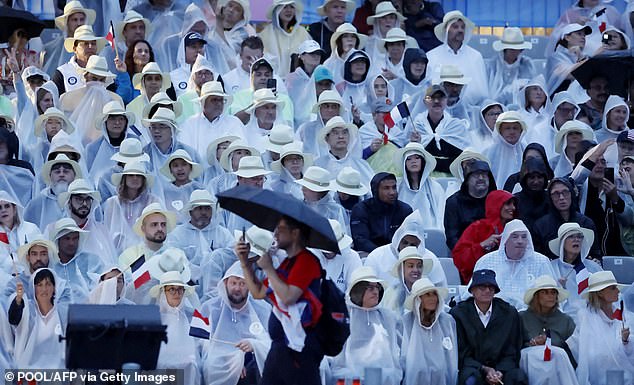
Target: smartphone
{"points": [[606, 38], [609, 174], [272, 84]]}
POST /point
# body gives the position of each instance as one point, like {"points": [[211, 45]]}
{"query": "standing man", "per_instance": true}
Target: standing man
{"points": [[294, 290], [335, 14]]}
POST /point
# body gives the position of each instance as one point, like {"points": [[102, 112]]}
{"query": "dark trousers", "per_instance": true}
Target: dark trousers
{"points": [[284, 366]]}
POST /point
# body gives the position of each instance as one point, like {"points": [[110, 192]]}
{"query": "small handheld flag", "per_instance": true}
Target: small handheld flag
{"points": [[547, 350], [140, 274], [110, 35], [199, 326], [397, 114], [582, 277]]}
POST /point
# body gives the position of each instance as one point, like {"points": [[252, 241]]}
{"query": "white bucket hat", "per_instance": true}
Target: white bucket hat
{"points": [[315, 179], [151, 68], [452, 74], [170, 278], [133, 168], [113, 107], [279, 136], [350, 6], [510, 117], [239, 144], [328, 96], [365, 274], [245, 4], [197, 170], [199, 198], [98, 66], [78, 186], [213, 88], [60, 158], [420, 287], [161, 98], [468, 154], [449, 18], [213, 147], [260, 240], [385, 8], [130, 150], [299, 7], [413, 148], [162, 115], [132, 17], [599, 281], [38, 240], [396, 34], [294, 148], [542, 283], [154, 208], [63, 227], [251, 166], [52, 112], [344, 29], [262, 97], [567, 229], [171, 260], [348, 181], [74, 7], [512, 38], [338, 122], [572, 126], [411, 252], [343, 240], [84, 33]]}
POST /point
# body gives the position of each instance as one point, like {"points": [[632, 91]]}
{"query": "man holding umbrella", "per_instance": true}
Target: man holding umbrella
{"points": [[293, 289]]}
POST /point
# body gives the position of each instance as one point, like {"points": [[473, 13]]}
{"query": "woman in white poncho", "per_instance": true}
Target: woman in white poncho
{"points": [[345, 40], [601, 341], [615, 117], [507, 146], [416, 188], [429, 352], [38, 322], [179, 352], [533, 101], [373, 340], [14, 231], [239, 339], [179, 178]]}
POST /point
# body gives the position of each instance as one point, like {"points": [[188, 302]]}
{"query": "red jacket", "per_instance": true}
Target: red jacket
{"points": [[468, 250]]}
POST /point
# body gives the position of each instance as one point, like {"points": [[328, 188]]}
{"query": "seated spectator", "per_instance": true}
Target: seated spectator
{"points": [[388, 59], [615, 116], [308, 81], [598, 90], [316, 194], [130, 150], [568, 142], [353, 87], [489, 335], [484, 235], [339, 266], [348, 189], [568, 56], [345, 40], [507, 144], [532, 150], [455, 83], [178, 179], [329, 104], [264, 112], [378, 151], [409, 268], [291, 166], [232, 28], [626, 192], [412, 85], [516, 263], [533, 199], [385, 18], [369, 217], [334, 12], [13, 230], [422, 18], [483, 122], [534, 105]]}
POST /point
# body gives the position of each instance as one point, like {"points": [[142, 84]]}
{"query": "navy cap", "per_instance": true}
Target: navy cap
{"points": [[194, 37], [482, 278], [627, 136]]}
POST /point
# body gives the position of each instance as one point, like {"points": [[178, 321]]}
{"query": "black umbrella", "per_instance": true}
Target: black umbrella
{"points": [[264, 208], [616, 69], [12, 19]]}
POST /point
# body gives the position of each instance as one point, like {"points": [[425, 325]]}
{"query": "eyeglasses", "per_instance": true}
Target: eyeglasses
{"points": [[82, 199], [578, 236], [557, 194], [175, 290], [373, 286]]}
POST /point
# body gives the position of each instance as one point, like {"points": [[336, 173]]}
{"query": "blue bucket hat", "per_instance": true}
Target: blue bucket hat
{"points": [[484, 277]]}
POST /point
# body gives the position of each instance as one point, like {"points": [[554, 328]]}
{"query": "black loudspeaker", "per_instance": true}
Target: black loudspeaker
{"points": [[107, 336]]}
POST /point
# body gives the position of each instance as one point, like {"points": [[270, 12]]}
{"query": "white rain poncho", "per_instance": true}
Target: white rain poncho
{"points": [[543, 131], [257, 136], [81, 273], [176, 197], [339, 268], [37, 345], [27, 111], [559, 67], [222, 360], [557, 371], [334, 165], [20, 234], [428, 199], [511, 153], [605, 132], [284, 182], [566, 272], [197, 243], [383, 258], [531, 116], [451, 130], [158, 159], [482, 135], [514, 277], [229, 41], [506, 80], [279, 44], [429, 355], [354, 93], [43, 209], [179, 352], [330, 209], [18, 182], [222, 182], [335, 64], [81, 104], [6, 333], [597, 347], [120, 215], [308, 134], [301, 90], [373, 342], [198, 132]]}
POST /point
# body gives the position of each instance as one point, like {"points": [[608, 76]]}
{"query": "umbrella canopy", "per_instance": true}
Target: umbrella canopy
{"points": [[264, 208], [616, 69], [12, 19]]}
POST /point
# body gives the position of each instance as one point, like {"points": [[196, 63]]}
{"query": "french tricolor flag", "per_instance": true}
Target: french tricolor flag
{"points": [[140, 274], [398, 113], [199, 326], [547, 350], [110, 35], [582, 277]]}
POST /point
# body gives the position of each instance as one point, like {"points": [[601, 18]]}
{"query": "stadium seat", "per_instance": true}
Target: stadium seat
{"points": [[482, 44], [539, 47], [448, 184], [622, 267], [435, 241], [453, 277]]}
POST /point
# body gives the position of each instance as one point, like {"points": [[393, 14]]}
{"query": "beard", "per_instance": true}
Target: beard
{"points": [[59, 187], [81, 213], [158, 237], [236, 298]]}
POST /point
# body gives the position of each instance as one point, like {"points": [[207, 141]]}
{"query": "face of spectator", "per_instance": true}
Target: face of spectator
{"points": [[287, 14], [200, 216], [380, 87], [395, 50], [598, 171], [38, 257], [453, 89], [358, 69], [7, 213], [535, 182], [254, 181], [598, 91], [134, 31], [85, 49], [161, 134], [328, 111], [221, 148], [232, 13], [610, 294], [371, 295], [572, 243], [44, 291], [491, 115], [348, 41], [80, 205], [248, 56], [338, 139], [508, 210], [561, 197], [456, 32], [261, 76], [152, 84], [387, 191], [628, 167], [615, 42], [69, 244], [73, 21], [511, 132], [312, 196], [134, 182], [62, 172], [535, 96], [46, 102], [436, 103], [617, 118], [511, 55], [154, 227], [625, 148], [116, 124], [429, 301], [174, 294], [322, 86], [408, 240], [203, 76], [266, 114], [414, 163], [478, 183], [547, 299], [141, 54], [200, 27], [214, 106], [193, 50], [386, 23], [417, 68], [573, 138], [180, 170], [52, 127], [311, 59], [237, 290], [294, 164], [412, 271], [576, 39], [236, 156], [564, 112], [483, 294], [336, 12]]}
